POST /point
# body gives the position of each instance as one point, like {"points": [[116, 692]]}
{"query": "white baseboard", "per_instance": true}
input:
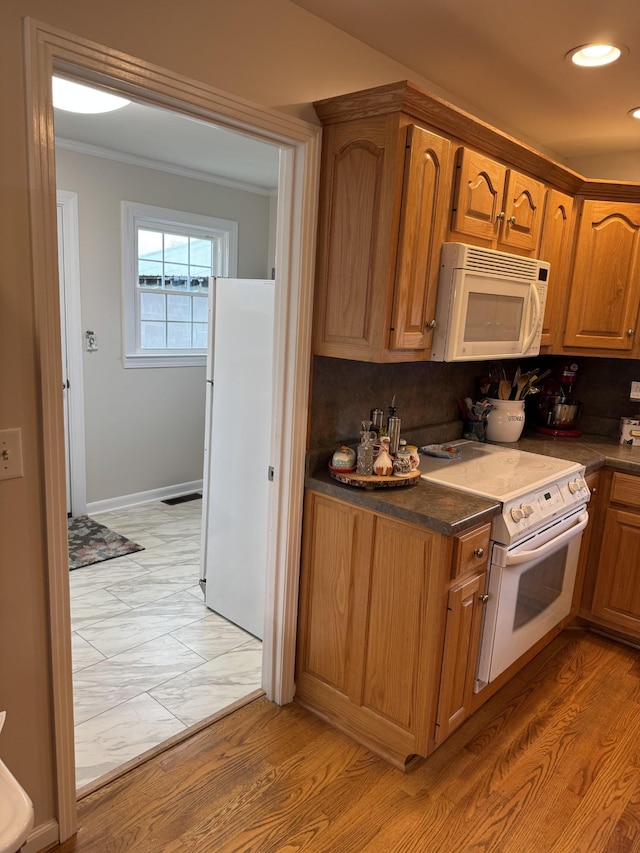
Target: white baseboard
{"points": [[42, 837], [162, 494]]}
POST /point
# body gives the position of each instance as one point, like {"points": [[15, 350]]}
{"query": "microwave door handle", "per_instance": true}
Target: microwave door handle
{"points": [[536, 318], [548, 547]]}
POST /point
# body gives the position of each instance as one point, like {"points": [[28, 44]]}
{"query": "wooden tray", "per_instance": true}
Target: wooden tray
{"points": [[374, 481]]}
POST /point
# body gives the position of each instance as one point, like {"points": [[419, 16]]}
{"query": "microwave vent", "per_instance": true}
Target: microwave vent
{"points": [[500, 263]]}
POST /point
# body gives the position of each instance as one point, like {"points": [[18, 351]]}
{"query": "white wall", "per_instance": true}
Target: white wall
{"points": [[144, 427]]}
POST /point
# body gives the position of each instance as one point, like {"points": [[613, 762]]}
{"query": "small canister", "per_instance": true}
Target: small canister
{"points": [[414, 456], [377, 420], [402, 463]]}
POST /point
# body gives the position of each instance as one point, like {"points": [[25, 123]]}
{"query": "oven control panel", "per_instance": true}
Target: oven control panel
{"points": [[533, 510]]}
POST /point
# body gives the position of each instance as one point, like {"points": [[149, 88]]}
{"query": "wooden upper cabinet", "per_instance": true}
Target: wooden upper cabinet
{"points": [[498, 207], [604, 299], [555, 247], [384, 196], [427, 185]]}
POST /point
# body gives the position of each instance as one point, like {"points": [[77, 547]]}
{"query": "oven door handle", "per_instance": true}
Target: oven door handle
{"points": [[548, 547]]}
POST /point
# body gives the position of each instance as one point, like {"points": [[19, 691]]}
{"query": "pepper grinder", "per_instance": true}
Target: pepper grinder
{"points": [[393, 427]]}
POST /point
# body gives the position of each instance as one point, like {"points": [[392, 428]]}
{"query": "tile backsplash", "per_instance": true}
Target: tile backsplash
{"points": [[427, 394]]}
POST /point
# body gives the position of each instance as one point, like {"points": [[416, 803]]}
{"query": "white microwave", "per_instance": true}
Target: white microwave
{"points": [[490, 304]]}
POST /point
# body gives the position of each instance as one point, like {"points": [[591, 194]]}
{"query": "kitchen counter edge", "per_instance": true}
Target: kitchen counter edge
{"points": [[451, 512]]}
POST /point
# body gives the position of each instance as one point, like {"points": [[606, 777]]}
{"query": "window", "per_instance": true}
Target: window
{"points": [[168, 256]]}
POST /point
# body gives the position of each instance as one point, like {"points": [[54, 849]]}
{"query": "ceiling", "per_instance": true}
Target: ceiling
{"points": [[164, 139], [503, 62]]}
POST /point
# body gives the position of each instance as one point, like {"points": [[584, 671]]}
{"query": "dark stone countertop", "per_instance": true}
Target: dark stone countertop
{"points": [[450, 511]]}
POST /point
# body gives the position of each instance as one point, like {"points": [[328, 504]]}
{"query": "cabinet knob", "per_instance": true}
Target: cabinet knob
{"points": [[630, 333], [478, 552], [430, 324], [484, 598], [511, 220], [500, 216]]}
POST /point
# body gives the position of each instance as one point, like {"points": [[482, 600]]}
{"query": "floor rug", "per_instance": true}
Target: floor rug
{"points": [[90, 542]]}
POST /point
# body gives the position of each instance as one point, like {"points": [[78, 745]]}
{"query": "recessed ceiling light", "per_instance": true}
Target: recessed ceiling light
{"points": [[593, 55], [76, 98], [634, 113]]}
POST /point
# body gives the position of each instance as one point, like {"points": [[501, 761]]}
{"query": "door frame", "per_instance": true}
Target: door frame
{"points": [[71, 304], [48, 49]]}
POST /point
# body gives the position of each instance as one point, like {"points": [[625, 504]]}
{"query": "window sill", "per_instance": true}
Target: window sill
{"points": [[195, 360]]}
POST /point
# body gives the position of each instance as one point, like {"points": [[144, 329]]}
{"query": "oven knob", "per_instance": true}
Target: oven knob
{"points": [[527, 509], [517, 514], [576, 485]]}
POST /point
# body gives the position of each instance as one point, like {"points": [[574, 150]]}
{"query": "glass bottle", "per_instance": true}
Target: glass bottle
{"points": [[364, 465]]}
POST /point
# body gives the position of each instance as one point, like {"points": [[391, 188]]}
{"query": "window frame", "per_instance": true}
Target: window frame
{"points": [[135, 215]]}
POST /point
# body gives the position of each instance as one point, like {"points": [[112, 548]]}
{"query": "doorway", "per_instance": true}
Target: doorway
{"points": [[137, 614], [52, 48]]}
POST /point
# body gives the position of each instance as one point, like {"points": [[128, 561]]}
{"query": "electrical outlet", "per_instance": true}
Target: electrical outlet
{"points": [[635, 391], [10, 454]]}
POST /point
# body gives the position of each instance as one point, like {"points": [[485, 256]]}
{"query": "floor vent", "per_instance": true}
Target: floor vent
{"points": [[194, 496]]}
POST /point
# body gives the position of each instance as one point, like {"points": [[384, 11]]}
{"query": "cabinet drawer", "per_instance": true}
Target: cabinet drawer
{"points": [[625, 489], [470, 551]]}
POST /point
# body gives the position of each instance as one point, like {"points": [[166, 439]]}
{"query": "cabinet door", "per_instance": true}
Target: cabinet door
{"points": [[360, 195], [402, 651], [523, 206], [616, 597], [555, 247], [605, 288], [478, 197], [425, 201], [333, 592], [459, 662]]}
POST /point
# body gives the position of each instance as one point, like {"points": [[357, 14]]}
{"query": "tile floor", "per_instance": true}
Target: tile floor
{"points": [[149, 658]]}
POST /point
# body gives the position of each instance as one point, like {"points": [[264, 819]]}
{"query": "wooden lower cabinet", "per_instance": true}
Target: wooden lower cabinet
{"points": [[616, 593], [459, 660], [373, 606]]}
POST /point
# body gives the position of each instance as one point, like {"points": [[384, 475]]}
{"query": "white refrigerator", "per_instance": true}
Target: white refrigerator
{"points": [[236, 484]]}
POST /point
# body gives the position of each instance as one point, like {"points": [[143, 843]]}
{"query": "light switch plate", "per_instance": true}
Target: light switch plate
{"points": [[10, 454], [635, 391]]}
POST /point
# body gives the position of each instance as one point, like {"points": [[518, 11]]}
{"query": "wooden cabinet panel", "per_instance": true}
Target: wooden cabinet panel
{"points": [[425, 200], [371, 625], [479, 194], [459, 662], [555, 247], [502, 207], [616, 597], [625, 489], [397, 613], [523, 206], [605, 287], [384, 198], [337, 548], [471, 551]]}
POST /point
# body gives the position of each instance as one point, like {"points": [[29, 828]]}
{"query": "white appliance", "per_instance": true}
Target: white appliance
{"points": [[535, 542], [236, 483], [490, 304]]}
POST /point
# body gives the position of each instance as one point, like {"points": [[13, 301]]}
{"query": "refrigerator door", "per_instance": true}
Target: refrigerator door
{"points": [[236, 488]]}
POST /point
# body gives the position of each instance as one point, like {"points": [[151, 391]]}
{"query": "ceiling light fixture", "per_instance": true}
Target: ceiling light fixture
{"points": [[594, 55], [76, 98], [634, 113]]}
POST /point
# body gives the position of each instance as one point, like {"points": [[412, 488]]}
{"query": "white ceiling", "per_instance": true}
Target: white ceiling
{"points": [[505, 61], [501, 61], [166, 139]]}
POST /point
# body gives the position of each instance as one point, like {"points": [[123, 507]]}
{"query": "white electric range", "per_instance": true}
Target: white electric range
{"points": [[535, 543], [533, 489]]}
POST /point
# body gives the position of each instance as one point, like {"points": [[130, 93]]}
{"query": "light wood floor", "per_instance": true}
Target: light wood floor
{"points": [[551, 764]]}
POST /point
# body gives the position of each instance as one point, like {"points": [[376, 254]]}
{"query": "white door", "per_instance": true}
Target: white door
{"points": [[236, 487], [71, 341]]}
